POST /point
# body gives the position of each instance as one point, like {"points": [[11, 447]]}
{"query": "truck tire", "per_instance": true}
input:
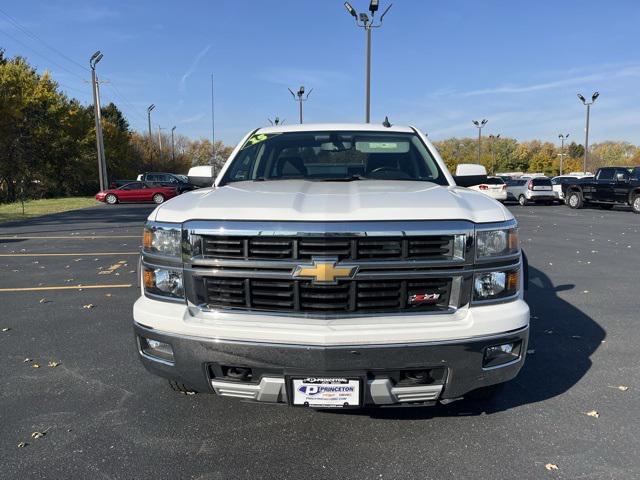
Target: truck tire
{"points": [[111, 199], [485, 393], [158, 198], [635, 204], [181, 388], [522, 200], [574, 200]]}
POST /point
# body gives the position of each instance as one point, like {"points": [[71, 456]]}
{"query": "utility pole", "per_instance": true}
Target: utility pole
{"points": [[363, 21], [493, 153], [173, 147], [151, 149], [479, 124], [301, 98], [160, 140], [102, 167], [213, 128], [562, 154], [586, 135]]}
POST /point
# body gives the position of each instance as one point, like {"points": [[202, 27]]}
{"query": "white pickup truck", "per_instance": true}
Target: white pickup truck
{"points": [[335, 266]]}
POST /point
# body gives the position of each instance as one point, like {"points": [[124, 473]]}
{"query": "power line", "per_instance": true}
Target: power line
{"points": [[43, 56], [28, 32]]}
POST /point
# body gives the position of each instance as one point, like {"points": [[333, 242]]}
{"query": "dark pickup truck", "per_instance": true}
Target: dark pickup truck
{"points": [[611, 186]]}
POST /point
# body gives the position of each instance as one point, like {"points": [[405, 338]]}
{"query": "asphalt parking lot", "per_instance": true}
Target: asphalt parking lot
{"points": [[103, 416]]}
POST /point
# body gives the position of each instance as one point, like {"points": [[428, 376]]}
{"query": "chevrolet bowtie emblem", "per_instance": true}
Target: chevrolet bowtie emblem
{"points": [[325, 271]]}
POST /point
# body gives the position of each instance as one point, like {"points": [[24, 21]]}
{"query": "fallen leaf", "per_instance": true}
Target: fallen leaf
{"points": [[593, 413], [108, 294], [38, 434], [35, 365], [43, 300], [88, 306], [22, 444], [53, 364], [27, 360], [622, 388], [6, 329], [551, 466]]}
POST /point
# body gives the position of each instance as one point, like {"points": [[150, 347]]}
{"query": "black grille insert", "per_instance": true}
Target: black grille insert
{"points": [[433, 247], [347, 296]]}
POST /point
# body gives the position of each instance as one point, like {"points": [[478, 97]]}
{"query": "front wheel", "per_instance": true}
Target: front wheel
{"points": [[635, 204], [575, 200], [158, 198], [522, 200], [111, 199]]}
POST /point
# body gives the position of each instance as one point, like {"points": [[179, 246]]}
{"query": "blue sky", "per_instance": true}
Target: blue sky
{"points": [[436, 64]]}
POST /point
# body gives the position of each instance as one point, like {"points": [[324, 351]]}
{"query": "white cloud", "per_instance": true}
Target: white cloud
{"points": [[192, 68]]}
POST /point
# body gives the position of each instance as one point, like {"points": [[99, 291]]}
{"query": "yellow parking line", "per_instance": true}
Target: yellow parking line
{"points": [[91, 237], [63, 287], [81, 254]]}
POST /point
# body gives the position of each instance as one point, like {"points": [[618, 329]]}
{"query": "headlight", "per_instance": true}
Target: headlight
{"points": [[162, 239], [496, 243], [166, 282], [495, 285]]}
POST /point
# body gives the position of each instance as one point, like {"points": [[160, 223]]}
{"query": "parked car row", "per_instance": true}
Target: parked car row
{"points": [[156, 187]]}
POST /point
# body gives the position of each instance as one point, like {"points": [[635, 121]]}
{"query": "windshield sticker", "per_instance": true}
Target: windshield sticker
{"points": [[255, 139]]}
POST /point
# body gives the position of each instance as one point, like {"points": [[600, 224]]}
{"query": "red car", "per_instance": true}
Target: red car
{"points": [[136, 192]]}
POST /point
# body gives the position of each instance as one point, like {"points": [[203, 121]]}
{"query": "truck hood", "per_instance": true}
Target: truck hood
{"points": [[300, 200]]}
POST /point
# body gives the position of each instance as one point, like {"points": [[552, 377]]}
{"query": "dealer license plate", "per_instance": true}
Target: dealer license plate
{"points": [[325, 392]]}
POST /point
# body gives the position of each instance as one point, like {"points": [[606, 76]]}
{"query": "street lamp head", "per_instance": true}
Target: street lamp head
{"points": [[484, 121], [364, 18], [173, 128], [582, 99], [301, 91], [94, 55], [150, 107], [351, 10], [373, 6], [594, 96], [476, 123]]}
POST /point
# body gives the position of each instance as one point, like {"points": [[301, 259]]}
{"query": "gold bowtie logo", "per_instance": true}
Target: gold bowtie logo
{"points": [[324, 271]]}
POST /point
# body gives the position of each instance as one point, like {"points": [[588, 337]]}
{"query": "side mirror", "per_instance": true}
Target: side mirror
{"points": [[469, 174]]}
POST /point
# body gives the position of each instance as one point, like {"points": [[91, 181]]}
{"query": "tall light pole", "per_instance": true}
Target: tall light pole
{"points": [[102, 163], [173, 147], [586, 135], [363, 21], [562, 154], [300, 98], [493, 153], [213, 128], [479, 124]]}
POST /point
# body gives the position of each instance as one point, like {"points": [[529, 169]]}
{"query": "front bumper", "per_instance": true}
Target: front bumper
{"points": [[201, 363]]}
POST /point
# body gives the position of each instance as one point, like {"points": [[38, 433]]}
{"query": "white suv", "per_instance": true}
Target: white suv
{"points": [[333, 266]]}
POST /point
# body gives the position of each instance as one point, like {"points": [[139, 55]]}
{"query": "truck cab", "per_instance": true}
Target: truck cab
{"points": [[333, 266]]}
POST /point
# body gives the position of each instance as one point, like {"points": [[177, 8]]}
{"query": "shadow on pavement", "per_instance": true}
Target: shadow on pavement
{"points": [[563, 337]]}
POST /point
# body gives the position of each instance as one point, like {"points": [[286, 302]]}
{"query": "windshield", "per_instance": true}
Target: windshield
{"points": [[334, 156]]}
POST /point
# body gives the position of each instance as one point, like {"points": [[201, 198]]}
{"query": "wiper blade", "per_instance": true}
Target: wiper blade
{"points": [[352, 178]]}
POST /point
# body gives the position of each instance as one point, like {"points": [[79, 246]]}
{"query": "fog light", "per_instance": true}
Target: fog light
{"points": [[156, 349], [497, 355]]}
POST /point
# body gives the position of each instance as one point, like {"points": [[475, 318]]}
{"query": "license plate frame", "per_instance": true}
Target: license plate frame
{"points": [[294, 397]]}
